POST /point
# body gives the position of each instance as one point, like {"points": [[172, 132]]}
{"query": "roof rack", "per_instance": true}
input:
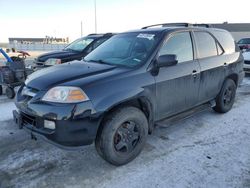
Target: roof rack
{"points": [[105, 34], [168, 25], [178, 25], [108, 34], [92, 34], [202, 25]]}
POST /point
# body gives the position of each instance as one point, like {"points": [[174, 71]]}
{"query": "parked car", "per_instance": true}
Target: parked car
{"points": [[246, 56], [74, 51], [127, 85], [244, 43]]}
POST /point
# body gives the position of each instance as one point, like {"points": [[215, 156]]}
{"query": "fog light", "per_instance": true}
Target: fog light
{"points": [[49, 124]]}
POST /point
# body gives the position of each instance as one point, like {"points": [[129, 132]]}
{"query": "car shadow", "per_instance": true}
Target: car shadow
{"points": [[23, 160]]}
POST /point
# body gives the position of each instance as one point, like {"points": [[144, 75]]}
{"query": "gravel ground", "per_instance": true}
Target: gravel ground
{"points": [[206, 150]]}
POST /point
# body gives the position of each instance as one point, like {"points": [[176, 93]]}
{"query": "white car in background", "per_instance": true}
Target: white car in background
{"points": [[246, 55]]}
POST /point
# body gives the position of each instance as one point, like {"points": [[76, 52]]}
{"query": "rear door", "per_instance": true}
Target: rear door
{"points": [[212, 64], [177, 86]]}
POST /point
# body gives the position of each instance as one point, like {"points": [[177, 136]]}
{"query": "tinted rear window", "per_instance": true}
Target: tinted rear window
{"points": [[206, 44], [226, 40]]}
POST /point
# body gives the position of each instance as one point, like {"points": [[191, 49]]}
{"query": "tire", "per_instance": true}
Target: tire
{"points": [[10, 93], [226, 97], [123, 136], [1, 90]]}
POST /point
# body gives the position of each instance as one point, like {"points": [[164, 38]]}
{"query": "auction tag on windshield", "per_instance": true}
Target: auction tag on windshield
{"points": [[146, 36]]}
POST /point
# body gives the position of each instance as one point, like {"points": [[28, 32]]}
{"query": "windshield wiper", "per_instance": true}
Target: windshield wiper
{"points": [[99, 61], [71, 50]]}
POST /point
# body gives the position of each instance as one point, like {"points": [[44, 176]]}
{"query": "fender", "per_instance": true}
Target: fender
{"points": [[144, 97]]}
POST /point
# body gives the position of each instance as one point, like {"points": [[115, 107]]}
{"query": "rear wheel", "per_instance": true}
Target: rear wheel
{"points": [[1, 90], [123, 136], [10, 92], [226, 97]]}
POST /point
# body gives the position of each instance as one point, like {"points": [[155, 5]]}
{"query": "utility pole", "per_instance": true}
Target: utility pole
{"points": [[95, 17], [81, 28]]}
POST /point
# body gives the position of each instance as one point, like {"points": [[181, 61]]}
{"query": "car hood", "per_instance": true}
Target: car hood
{"points": [[60, 74], [57, 54]]}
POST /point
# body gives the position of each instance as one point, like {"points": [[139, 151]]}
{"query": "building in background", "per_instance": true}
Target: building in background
{"points": [[46, 40], [38, 44], [238, 30]]}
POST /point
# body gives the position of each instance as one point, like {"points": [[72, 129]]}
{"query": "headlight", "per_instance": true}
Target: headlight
{"points": [[53, 61], [64, 94]]}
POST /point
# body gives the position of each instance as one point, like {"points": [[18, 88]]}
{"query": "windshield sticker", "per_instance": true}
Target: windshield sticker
{"points": [[146, 36]]}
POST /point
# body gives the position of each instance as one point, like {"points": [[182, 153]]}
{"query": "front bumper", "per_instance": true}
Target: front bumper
{"points": [[247, 68], [75, 124]]}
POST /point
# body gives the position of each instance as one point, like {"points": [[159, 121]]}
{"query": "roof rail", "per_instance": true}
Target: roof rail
{"points": [[178, 25], [105, 34], [202, 25], [91, 34], [168, 25], [108, 34]]}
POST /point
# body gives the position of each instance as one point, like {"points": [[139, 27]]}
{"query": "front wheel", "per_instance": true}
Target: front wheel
{"points": [[226, 97], [123, 136], [10, 92]]}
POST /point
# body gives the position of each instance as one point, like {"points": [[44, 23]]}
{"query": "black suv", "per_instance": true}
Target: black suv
{"points": [[74, 51], [129, 84]]}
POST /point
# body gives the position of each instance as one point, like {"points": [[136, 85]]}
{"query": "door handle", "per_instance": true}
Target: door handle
{"points": [[194, 73]]}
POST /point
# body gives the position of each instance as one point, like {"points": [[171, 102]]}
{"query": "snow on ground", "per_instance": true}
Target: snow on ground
{"points": [[206, 150], [6, 108]]}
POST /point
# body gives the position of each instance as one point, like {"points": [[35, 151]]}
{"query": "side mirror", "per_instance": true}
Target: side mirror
{"points": [[167, 60]]}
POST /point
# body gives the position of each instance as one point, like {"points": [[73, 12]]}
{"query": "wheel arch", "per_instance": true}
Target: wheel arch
{"points": [[141, 103], [234, 77]]}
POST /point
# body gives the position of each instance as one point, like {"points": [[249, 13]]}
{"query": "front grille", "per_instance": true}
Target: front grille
{"points": [[247, 62], [27, 119], [36, 122]]}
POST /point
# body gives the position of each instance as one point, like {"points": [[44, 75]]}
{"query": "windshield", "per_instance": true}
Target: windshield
{"points": [[244, 41], [79, 44], [125, 49]]}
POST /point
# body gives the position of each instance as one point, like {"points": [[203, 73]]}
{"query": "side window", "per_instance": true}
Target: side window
{"points": [[179, 44], [90, 48], [95, 44], [226, 40], [220, 50], [99, 42], [206, 44]]}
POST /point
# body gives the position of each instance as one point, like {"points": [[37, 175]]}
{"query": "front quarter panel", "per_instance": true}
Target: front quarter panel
{"points": [[109, 93]]}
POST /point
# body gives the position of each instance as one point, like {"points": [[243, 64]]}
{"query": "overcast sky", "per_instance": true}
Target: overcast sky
{"points": [[62, 18]]}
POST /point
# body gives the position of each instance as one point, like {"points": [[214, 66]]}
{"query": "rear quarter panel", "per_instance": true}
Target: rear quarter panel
{"points": [[235, 65]]}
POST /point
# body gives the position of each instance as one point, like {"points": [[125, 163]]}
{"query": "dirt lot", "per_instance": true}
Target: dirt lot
{"points": [[206, 150]]}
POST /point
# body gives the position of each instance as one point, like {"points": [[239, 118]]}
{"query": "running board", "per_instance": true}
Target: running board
{"points": [[185, 114]]}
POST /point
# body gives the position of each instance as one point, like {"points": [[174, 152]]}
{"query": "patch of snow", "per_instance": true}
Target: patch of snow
{"points": [[206, 150], [6, 110]]}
